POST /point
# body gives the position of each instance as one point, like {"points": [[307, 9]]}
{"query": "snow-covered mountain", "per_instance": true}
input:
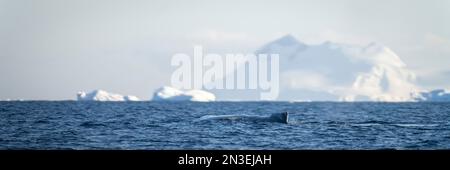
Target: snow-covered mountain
{"points": [[335, 71], [439, 95], [172, 94], [101, 95]]}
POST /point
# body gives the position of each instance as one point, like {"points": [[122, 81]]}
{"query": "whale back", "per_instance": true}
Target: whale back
{"points": [[280, 117], [276, 117]]}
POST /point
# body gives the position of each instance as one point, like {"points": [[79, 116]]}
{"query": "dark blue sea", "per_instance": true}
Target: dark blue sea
{"points": [[178, 125]]}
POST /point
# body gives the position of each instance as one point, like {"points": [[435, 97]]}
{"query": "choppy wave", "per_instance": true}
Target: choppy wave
{"points": [[414, 125], [384, 123], [187, 125]]}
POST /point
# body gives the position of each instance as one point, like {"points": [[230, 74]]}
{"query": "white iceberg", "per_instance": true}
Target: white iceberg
{"points": [[101, 95], [172, 94], [439, 95]]}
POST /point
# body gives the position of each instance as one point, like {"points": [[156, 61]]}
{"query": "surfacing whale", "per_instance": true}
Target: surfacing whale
{"points": [[276, 117]]}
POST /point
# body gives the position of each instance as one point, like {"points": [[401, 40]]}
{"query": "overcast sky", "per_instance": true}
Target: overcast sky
{"points": [[51, 49]]}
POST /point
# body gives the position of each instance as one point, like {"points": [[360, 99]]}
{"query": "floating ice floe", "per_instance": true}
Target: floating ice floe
{"points": [[101, 95], [172, 94]]}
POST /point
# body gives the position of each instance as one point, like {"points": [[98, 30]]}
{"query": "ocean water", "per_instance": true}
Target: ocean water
{"points": [[179, 125]]}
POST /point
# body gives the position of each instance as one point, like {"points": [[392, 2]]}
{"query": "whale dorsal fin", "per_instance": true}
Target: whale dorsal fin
{"points": [[286, 117]]}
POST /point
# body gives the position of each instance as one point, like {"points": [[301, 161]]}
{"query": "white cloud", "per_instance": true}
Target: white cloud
{"points": [[437, 42], [429, 57], [335, 36], [218, 36], [219, 41]]}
